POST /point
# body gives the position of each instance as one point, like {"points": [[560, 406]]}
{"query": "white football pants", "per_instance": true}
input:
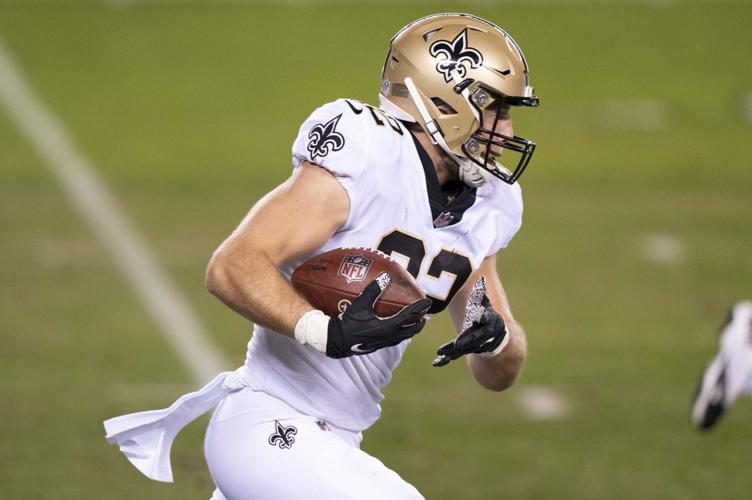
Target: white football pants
{"points": [[258, 447]]}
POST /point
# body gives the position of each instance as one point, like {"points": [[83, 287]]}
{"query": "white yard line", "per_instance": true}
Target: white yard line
{"points": [[90, 196], [542, 403], [663, 248], [747, 108], [631, 114]]}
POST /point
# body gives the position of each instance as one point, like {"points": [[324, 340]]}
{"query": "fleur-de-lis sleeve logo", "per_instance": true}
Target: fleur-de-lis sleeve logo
{"points": [[283, 436], [324, 138], [455, 54]]}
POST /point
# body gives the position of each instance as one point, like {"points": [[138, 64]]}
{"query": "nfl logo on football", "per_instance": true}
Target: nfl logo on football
{"points": [[354, 268]]}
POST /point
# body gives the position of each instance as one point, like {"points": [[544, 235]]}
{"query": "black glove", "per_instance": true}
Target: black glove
{"points": [[359, 331], [483, 335]]}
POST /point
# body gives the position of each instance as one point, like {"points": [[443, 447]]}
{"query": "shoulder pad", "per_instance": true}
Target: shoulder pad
{"points": [[334, 138], [506, 201]]}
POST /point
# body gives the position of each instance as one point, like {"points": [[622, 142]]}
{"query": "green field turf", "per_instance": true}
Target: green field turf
{"points": [[188, 111]]}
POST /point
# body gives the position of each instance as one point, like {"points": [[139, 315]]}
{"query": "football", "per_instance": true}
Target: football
{"points": [[332, 280]]}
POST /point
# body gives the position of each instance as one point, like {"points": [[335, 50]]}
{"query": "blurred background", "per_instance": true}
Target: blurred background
{"points": [[636, 237]]}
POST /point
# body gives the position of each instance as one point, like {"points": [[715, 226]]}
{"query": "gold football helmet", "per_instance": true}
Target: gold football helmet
{"points": [[442, 71]]}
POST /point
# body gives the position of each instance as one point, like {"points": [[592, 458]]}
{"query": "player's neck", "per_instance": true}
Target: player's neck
{"points": [[446, 168]]}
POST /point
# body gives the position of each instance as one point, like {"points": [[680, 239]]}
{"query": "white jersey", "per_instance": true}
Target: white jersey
{"points": [[397, 206]]}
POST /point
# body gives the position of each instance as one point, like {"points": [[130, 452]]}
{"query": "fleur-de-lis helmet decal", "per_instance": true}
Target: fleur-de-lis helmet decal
{"points": [[324, 138], [454, 55], [453, 74]]}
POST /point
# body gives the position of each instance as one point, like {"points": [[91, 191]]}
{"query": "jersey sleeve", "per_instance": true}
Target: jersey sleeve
{"points": [[509, 204], [334, 138]]}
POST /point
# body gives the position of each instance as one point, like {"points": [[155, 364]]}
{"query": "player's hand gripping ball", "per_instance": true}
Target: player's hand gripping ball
{"points": [[369, 300], [331, 281]]}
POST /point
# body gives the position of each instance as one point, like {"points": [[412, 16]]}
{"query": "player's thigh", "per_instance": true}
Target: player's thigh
{"points": [[360, 476], [295, 459]]}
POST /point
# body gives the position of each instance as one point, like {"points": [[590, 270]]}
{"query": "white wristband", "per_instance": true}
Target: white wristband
{"points": [[495, 352], [313, 329]]}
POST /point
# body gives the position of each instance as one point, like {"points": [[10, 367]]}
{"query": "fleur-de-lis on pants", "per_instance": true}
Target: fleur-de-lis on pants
{"points": [[283, 436], [456, 53]]}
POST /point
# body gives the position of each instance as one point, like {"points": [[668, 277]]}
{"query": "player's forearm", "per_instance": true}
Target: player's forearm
{"points": [[253, 287], [501, 371]]}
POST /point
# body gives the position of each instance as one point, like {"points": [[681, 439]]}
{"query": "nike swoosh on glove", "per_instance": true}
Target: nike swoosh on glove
{"points": [[483, 330], [360, 331]]}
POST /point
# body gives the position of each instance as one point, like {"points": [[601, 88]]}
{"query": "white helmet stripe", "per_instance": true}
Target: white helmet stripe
{"points": [[431, 126], [466, 94], [469, 173]]}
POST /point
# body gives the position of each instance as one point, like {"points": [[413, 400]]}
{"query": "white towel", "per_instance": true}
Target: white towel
{"points": [[146, 437]]}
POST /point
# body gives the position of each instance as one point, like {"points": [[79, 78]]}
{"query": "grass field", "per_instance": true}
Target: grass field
{"points": [[188, 110]]}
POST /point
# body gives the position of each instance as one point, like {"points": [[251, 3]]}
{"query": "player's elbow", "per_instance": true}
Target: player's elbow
{"points": [[217, 278], [501, 372], [507, 376], [231, 275], [497, 385]]}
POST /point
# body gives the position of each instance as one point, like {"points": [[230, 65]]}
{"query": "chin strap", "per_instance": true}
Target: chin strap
{"points": [[472, 175], [469, 173]]}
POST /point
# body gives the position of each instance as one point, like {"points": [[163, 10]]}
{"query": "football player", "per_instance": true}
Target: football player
{"points": [[421, 178], [729, 374]]}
